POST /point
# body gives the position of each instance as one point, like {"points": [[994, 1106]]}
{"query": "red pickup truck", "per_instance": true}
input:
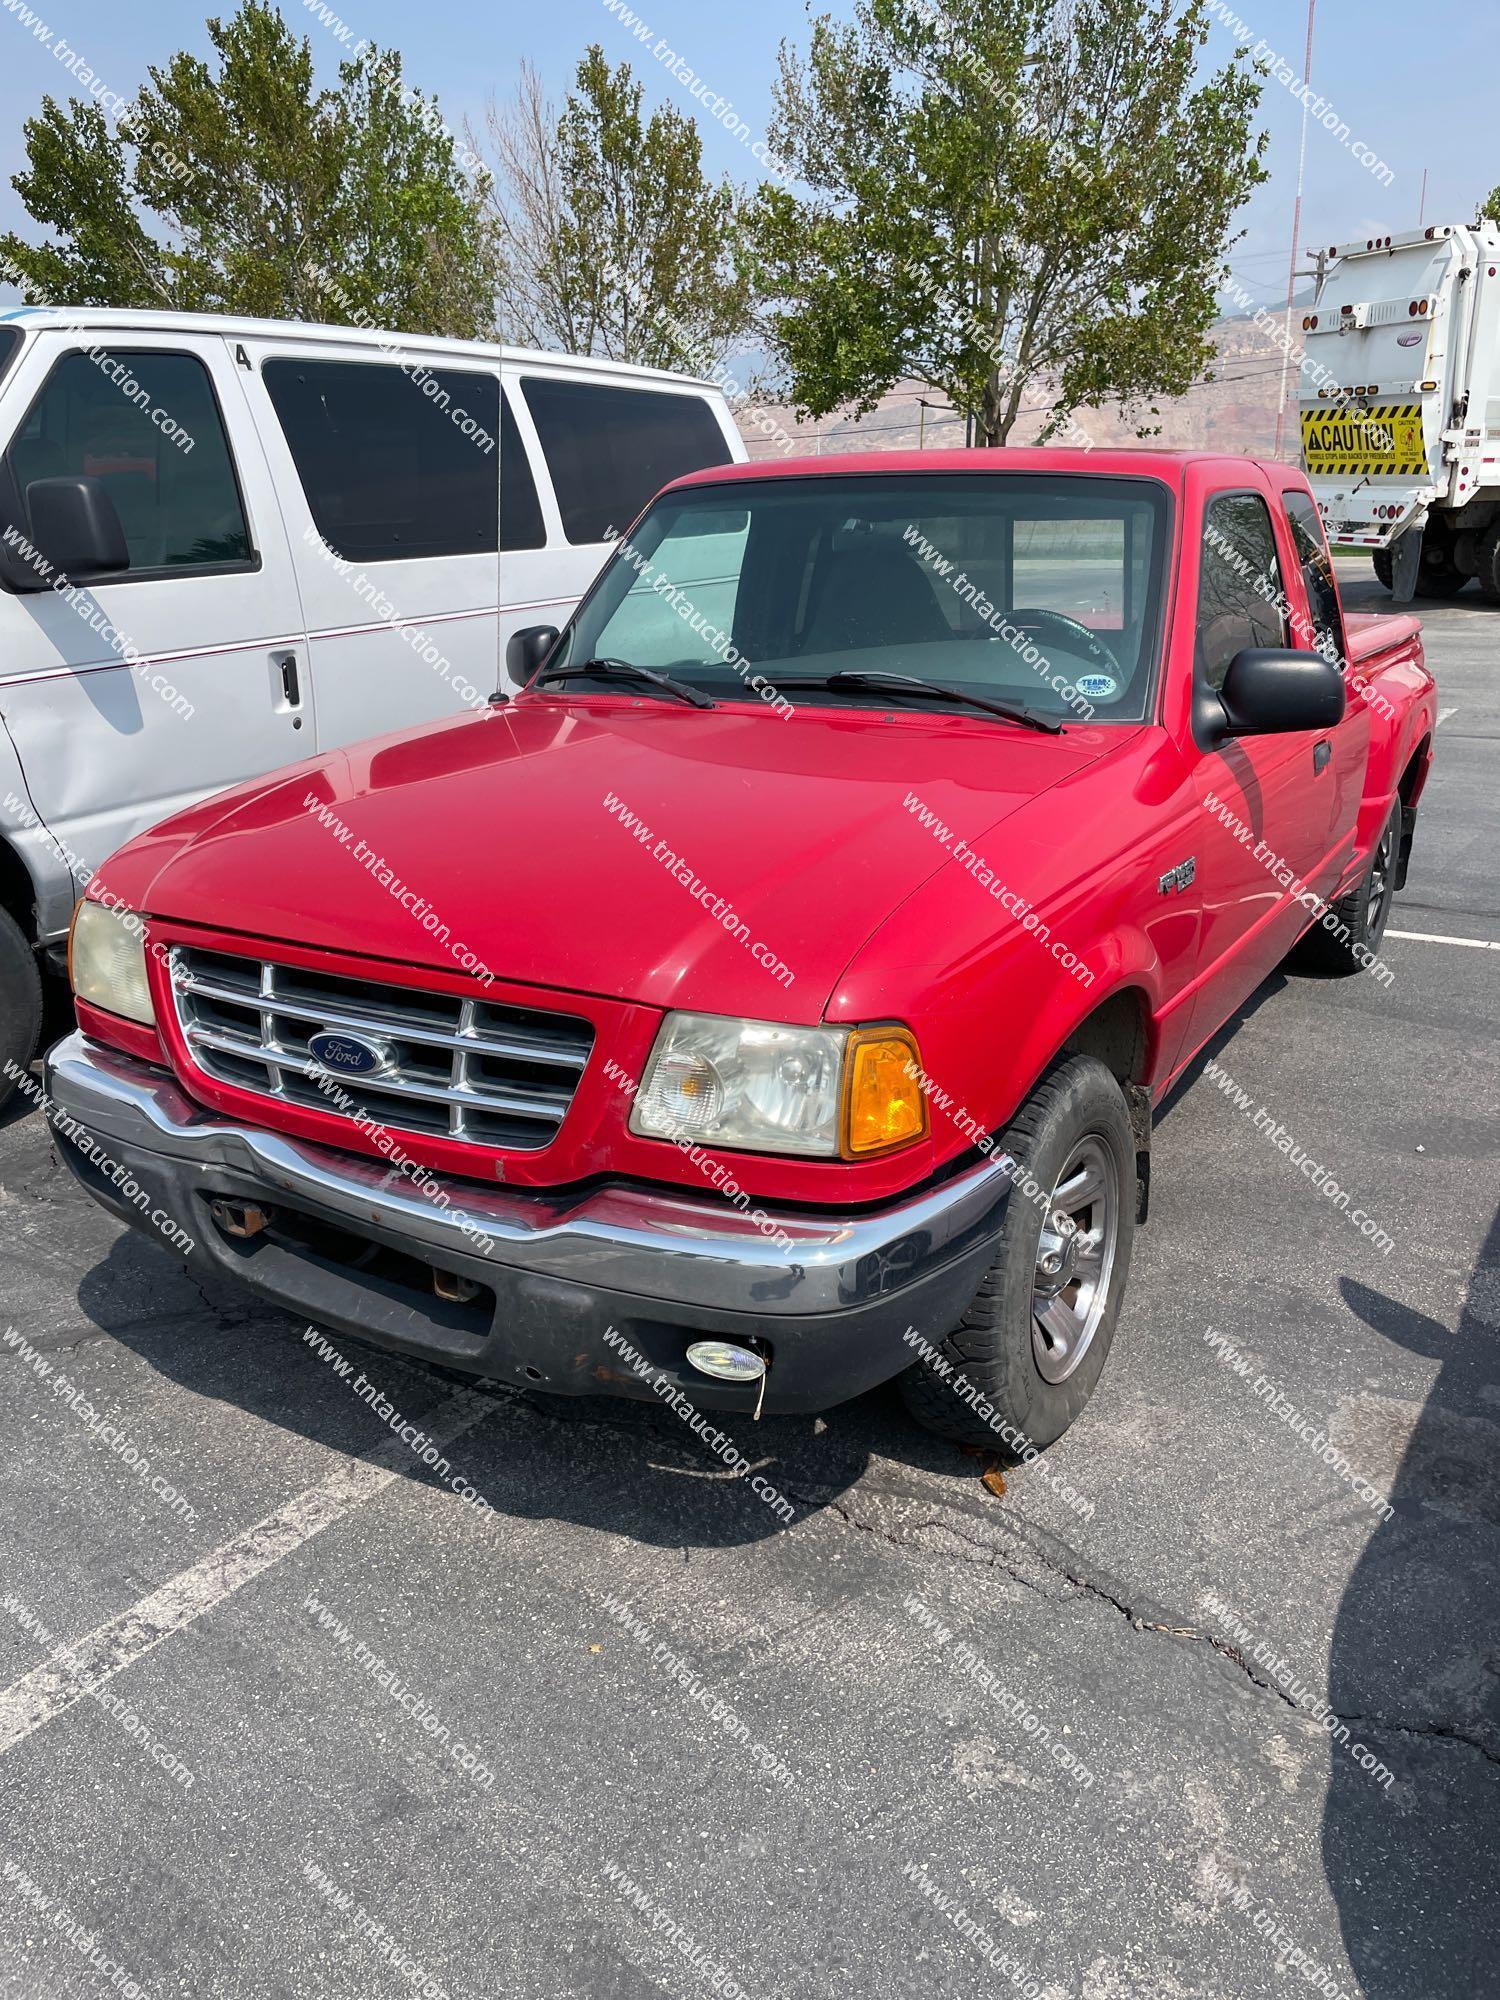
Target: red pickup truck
{"points": [[771, 997]]}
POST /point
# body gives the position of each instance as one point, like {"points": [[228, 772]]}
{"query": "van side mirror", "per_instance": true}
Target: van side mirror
{"points": [[1269, 691], [526, 651], [75, 527]]}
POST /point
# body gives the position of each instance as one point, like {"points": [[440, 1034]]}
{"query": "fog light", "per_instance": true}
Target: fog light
{"points": [[726, 1360]]}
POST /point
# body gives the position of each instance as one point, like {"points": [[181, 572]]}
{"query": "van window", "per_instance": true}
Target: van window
{"points": [[147, 426], [609, 450], [1327, 635], [1241, 601], [399, 464]]}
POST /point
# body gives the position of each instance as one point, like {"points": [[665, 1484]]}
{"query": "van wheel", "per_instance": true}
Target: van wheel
{"points": [[20, 1004], [1348, 934], [1033, 1342]]}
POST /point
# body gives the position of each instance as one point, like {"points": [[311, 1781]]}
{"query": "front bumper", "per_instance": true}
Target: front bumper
{"points": [[353, 1245]]}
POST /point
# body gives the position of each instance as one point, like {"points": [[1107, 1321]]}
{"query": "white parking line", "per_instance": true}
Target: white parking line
{"points": [[1433, 937], [1443, 714], [54, 1686]]}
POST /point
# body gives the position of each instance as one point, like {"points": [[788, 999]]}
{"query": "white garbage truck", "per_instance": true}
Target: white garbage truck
{"points": [[1399, 401]]}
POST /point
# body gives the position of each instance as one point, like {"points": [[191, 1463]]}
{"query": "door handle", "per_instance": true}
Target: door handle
{"points": [[1321, 754], [291, 684]]}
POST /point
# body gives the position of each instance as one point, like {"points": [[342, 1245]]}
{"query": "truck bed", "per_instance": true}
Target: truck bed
{"points": [[1369, 633]]}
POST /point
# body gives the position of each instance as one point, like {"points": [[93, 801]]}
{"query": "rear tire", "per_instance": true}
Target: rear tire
{"points": [[1488, 557], [1437, 575], [20, 1005], [1034, 1372], [1348, 933]]}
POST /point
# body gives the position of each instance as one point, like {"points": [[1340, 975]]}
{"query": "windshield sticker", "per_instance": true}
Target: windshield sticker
{"points": [[1098, 687]]}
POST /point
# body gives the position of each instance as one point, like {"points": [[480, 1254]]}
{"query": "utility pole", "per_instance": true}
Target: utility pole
{"points": [[1291, 281]]}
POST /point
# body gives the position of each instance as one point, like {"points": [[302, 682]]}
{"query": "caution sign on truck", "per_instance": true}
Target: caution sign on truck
{"points": [[1385, 439]]}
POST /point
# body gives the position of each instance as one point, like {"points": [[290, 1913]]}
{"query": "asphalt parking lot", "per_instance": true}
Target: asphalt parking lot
{"points": [[620, 1730]]}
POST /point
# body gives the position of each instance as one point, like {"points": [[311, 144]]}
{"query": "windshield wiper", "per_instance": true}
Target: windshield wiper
{"points": [[850, 677], [608, 669]]}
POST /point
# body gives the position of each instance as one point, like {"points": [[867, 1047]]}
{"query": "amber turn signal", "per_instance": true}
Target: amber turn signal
{"points": [[884, 1103]]}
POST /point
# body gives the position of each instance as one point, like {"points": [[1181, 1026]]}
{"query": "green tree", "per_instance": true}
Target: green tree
{"points": [[615, 241], [244, 187], [1020, 203]]}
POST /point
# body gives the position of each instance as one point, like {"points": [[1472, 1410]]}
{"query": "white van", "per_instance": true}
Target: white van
{"points": [[226, 544]]}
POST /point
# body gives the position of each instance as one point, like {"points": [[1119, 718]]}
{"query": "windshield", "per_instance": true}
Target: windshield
{"points": [[1039, 590]]}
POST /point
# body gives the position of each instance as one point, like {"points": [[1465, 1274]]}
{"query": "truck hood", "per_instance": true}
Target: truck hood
{"points": [[605, 845]]}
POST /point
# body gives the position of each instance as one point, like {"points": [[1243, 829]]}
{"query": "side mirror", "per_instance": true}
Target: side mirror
{"points": [[75, 527], [526, 651], [1271, 692]]}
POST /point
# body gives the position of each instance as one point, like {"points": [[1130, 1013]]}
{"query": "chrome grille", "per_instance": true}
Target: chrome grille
{"points": [[457, 1068]]}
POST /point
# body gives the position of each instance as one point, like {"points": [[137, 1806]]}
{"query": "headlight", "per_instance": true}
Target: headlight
{"points": [[758, 1086], [107, 962]]}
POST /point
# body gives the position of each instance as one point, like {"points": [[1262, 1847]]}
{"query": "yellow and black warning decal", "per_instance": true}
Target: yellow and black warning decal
{"points": [[1385, 439]]}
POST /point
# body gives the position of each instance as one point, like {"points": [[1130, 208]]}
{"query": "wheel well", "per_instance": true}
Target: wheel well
{"points": [[17, 895], [1406, 791], [1116, 1035], [1414, 766]]}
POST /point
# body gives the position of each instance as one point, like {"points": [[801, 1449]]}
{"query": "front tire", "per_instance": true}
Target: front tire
{"points": [[20, 1005], [1347, 935], [1033, 1342]]}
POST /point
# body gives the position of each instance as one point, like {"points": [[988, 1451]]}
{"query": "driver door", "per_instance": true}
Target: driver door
{"points": [[1264, 813]]}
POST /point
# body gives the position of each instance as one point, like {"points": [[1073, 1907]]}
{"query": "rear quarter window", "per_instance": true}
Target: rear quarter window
{"points": [[609, 450]]}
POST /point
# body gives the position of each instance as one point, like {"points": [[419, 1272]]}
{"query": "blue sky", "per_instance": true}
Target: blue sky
{"points": [[1405, 83]]}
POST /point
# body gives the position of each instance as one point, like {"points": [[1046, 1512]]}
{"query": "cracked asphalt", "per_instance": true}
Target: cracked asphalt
{"points": [[1022, 1748]]}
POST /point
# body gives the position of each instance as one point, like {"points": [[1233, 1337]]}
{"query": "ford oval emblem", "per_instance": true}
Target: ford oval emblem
{"points": [[348, 1055]]}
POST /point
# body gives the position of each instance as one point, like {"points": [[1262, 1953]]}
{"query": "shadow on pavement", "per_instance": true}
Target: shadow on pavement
{"points": [[1417, 1643], [632, 1468]]}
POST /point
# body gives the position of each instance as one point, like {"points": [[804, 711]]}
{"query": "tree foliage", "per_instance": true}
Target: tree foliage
{"points": [[244, 187], [1020, 203], [615, 241]]}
